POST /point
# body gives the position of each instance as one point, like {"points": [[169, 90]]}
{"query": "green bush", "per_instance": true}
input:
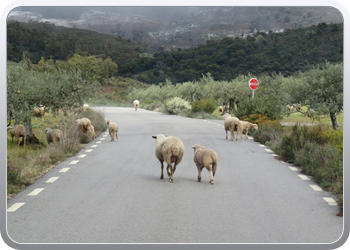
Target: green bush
{"points": [[334, 137], [296, 140], [269, 131], [205, 105], [176, 105]]}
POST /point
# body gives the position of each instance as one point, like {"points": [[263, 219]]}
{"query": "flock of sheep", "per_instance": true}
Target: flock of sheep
{"points": [[169, 149], [52, 135]]}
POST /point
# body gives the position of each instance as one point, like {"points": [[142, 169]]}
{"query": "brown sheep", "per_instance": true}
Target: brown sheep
{"points": [[53, 135], [39, 112], [112, 129], [171, 150], [83, 124], [246, 126], [207, 158], [18, 131], [92, 133]]}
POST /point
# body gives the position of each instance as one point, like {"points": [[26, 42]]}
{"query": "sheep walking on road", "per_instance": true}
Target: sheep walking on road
{"points": [[53, 135], [246, 126], [232, 124], [112, 129], [136, 104], [18, 131], [207, 158], [171, 150]]}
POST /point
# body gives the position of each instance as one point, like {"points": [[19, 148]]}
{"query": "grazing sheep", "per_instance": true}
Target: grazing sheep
{"points": [[221, 109], [207, 158], [18, 131], [53, 135], [84, 124], [39, 112], [246, 126], [136, 104], [171, 150], [311, 114], [290, 107], [113, 129], [232, 124]]}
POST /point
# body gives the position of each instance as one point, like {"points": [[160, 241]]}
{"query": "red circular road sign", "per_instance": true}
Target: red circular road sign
{"points": [[253, 84]]}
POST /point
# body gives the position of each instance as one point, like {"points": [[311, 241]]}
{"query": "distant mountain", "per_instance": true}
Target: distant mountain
{"points": [[171, 28]]}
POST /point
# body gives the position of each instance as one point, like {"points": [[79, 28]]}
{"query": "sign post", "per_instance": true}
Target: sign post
{"points": [[253, 85]]}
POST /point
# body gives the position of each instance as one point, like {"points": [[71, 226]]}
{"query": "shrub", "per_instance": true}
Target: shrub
{"points": [[13, 174], [177, 105], [334, 137], [205, 105], [296, 140], [269, 131], [254, 118]]}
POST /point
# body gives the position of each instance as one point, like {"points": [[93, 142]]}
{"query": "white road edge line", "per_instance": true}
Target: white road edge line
{"points": [[36, 191], [330, 201], [99, 142], [74, 162], [82, 156], [15, 206], [316, 188], [51, 180], [94, 146], [269, 150], [63, 170], [304, 177], [88, 150], [293, 168]]}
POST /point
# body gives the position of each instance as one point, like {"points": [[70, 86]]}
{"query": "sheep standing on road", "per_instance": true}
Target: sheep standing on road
{"points": [[207, 158], [112, 129], [18, 131], [171, 150], [136, 104], [53, 135], [232, 124], [248, 125]]}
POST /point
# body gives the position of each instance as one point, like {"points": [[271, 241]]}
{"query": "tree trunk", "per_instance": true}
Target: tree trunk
{"points": [[334, 120]]}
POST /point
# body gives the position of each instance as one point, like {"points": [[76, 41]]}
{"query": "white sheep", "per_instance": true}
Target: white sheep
{"points": [[221, 109], [290, 107], [53, 135], [112, 129], [232, 124], [136, 104], [248, 125], [207, 158], [18, 131], [39, 112], [171, 150], [83, 124], [85, 107]]}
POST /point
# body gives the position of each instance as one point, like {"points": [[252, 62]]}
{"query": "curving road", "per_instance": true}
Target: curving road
{"points": [[110, 192]]}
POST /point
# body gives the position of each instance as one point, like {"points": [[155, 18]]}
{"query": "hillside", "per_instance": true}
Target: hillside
{"points": [[170, 28]]}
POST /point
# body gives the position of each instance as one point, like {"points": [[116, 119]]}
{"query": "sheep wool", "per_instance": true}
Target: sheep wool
{"points": [[207, 158], [18, 131], [136, 104], [246, 126], [112, 129], [171, 150], [53, 135], [232, 124]]}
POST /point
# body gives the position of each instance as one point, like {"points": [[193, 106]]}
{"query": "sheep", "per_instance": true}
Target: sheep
{"points": [[39, 112], [136, 104], [91, 132], [85, 107], [171, 150], [53, 135], [207, 158], [18, 131], [311, 114], [290, 107], [232, 124], [113, 129], [248, 125], [83, 124], [221, 109]]}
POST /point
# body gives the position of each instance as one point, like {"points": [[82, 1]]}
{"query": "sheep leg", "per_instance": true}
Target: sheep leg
{"points": [[167, 169], [171, 178], [112, 136], [161, 170], [210, 173], [199, 178], [226, 134]]}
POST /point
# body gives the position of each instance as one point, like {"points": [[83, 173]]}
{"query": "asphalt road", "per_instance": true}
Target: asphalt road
{"points": [[110, 192]]}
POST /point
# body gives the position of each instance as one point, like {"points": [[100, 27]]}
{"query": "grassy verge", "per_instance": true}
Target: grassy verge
{"points": [[25, 165]]}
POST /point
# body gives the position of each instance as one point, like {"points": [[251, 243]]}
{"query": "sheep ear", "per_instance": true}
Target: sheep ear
{"points": [[154, 136], [193, 147]]}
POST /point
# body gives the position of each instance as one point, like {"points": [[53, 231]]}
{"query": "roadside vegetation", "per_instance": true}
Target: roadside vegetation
{"points": [[62, 86]]}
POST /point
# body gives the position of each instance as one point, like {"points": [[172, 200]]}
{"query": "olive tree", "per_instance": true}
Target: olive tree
{"points": [[54, 88]]}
